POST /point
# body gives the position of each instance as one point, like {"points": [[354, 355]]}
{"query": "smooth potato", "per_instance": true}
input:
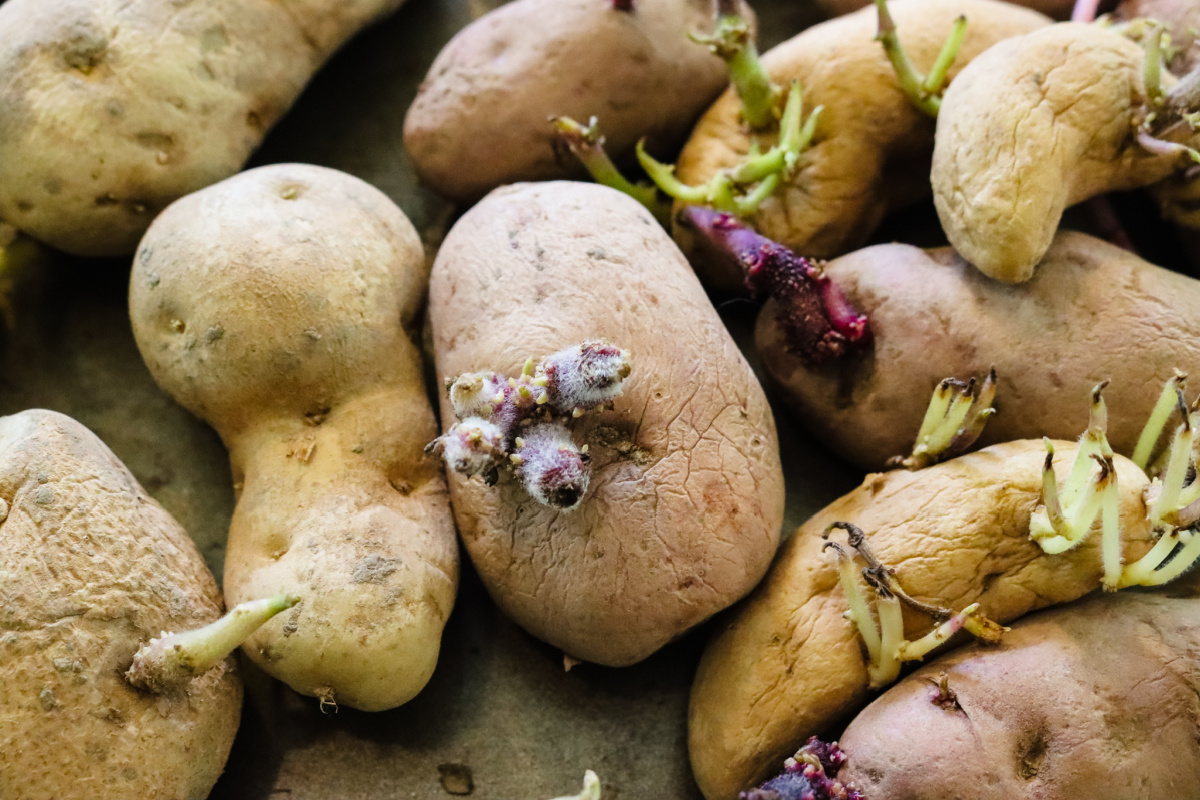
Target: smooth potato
{"points": [[686, 496], [111, 110], [91, 568], [787, 665], [280, 306]]}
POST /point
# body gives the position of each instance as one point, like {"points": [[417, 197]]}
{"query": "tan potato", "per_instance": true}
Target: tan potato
{"points": [[786, 665], [1093, 701], [1055, 9], [481, 118], [871, 149], [90, 568], [686, 496], [280, 306], [112, 110], [1092, 312], [1182, 20], [1037, 124]]}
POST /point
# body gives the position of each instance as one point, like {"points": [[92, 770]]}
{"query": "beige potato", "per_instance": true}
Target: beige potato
{"points": [[1092, 312], [871, 149], [481, 118], [686, 496], [111, 110], [90, 568], [1056, 9], [1037, 124], [786, 665], [1093, 701], [280, 307], [1182, 20]]}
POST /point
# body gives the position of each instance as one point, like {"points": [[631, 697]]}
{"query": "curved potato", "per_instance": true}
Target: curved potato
{"points": [[786, 664], [111, 110], [1042, 716], [280, 307], [90, 569], [1034, 125], [481, 119], [871, 149], [686, 497], [1092, 312]]}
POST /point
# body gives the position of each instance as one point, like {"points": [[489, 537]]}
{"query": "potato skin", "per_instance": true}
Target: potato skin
{"points": [[871, 149], [1055, 9], [1092, 312], [786, 665], [111, 110], [1041, 716], [480, 119], [686, 497], [1037, 124], [279, 306], [90, 569]]}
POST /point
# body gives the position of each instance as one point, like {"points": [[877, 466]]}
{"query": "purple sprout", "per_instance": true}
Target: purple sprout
{"points": [[811, 774], [818, 320], [623, 5], [522, 422]]}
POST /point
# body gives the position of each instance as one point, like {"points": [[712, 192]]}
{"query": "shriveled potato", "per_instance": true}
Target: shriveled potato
{"points": [[111, 110], [481, 118], [279, 306], [786, 665], [1036, 124], [90, 568], [1092, 312], [871, 149], [1094, 700], [686, 495]]}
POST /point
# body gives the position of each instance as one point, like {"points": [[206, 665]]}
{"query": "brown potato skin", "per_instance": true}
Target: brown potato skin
{"points": [[786, 665], [1037, 124], [686, 521], [1095, 700], [110, 110], [481, 117], [1092, 312], [871, 150], [280, 307], [91, 568]]}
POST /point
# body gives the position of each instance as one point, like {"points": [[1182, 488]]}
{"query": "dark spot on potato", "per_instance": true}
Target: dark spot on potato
{"points": [[214, 333], [129, 774], [254, 121], [1031, 752], [291, 192], [47, 699], [155, 141], [85, 51], [373, 569], [44, 496], [290, 627], [53, 186], [107, 200], [24, 206], [403, 487], [456, 778], [597, 253], [177, 326], [317, 416]]}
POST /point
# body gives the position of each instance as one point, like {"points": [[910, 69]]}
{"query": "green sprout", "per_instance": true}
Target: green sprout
{"points": [[924, 92], [587, 144], [955, 418], [733, 43]]}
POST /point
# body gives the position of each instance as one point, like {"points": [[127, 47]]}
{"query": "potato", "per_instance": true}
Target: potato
{"points": [[111, 110], [1056, 9], [1042, 716], [786, 664], [481, 119], [280, 306], [91, 567], [686, 496], [1092, 312], [1182, 20], [1036, 124], [870, 152]]}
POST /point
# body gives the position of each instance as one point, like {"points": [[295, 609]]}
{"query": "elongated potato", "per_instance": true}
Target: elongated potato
{"points": [[1037, 124], [481, 118], [111, 110], [872, 146], [91, 568], [787, 665], [686, 496], [1092, 312], [1094, 700], [279, 306]]}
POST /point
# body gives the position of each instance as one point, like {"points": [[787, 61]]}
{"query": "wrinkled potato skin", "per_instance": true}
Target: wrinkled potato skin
{"points": [[787, 665], [684, 523], [1092, 312], [1037, 124], [1055, 9], [91, 568], [871, 150], [279, 306], [111, 110], [1044, 715], [1182, 18], [480, 119]]}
